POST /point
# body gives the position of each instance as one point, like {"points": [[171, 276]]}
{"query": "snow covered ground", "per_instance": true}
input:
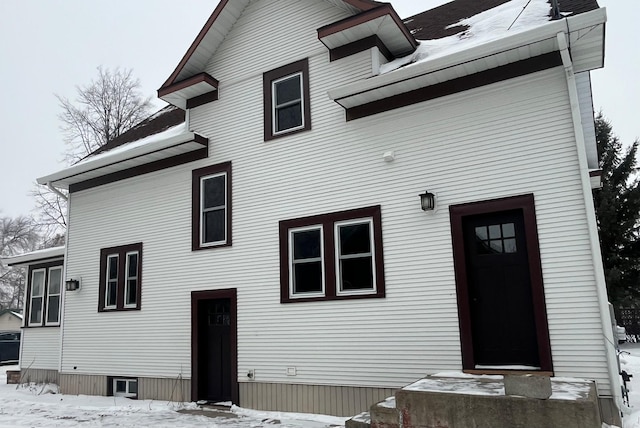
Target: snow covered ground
{"points": [[42, 406]]}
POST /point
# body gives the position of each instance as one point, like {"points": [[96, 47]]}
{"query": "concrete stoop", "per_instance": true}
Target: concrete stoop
{"points": [[481, 402]]}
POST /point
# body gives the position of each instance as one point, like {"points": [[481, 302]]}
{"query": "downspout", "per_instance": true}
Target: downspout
{"points": [[601, 288], [63, 296]]}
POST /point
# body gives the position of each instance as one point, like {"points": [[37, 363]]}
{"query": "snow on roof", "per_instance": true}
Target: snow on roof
{"points": [[167, 133], [507, 19], [18, 314], [46, 253]]}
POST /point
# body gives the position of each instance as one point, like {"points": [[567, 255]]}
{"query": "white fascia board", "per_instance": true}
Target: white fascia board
{"points": [[38, 255], [544, 32], [107, 158]]}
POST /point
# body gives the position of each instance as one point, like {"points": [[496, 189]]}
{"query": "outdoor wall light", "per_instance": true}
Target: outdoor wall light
{"points": [[427, 201], [72, 284]]}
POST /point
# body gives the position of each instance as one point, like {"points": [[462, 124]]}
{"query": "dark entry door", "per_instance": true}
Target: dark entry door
{"points": [[215, 374], [501, 308]]}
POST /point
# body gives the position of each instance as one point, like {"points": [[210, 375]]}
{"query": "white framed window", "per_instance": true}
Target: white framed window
{"points": [[111, 281], [306, 262], [213, 203], [54, 293], [286, 100], [36, 300], [124, 387], [355, 257], [120, 285], [287, 104], [131, 280], [332, 256]]}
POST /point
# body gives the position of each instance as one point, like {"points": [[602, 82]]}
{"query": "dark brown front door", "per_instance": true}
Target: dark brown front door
{"points": [[500, 300], [501, 305], [214, 374]]}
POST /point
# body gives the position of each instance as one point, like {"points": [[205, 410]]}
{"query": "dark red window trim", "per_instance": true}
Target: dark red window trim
{"points": [[45, 301], [525, 203], [196, 216], [121, 251], [301, 66], [328, 221]]}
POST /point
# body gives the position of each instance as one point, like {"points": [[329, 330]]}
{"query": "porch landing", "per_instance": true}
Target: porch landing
{"points": [[463, 401]]}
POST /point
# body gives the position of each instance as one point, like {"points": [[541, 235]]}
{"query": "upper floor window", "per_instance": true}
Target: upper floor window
{"points": [[286, 100], [211, 216], [44, 296], [120, 274], [332, 256]]}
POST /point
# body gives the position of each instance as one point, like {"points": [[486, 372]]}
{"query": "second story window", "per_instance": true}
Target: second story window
{"points": [[211, 211], [286, 100]]}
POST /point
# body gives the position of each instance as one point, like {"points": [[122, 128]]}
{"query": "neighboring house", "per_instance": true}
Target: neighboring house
{"points": [[10, 320], [269, 248], [40, 347]]}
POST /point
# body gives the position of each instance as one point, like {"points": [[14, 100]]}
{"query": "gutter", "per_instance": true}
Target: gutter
{"points": [[56, 191], [594, 240]]}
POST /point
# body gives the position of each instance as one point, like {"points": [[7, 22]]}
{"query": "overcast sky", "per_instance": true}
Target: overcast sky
{"points": [[48, 47]]}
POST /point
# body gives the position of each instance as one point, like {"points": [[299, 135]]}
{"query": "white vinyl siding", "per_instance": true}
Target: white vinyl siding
{"points": [[506, 139], [40, 348]]}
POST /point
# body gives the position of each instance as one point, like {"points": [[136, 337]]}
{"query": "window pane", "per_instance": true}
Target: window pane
{"points": [[214, 226], [357, 274], [213, 192], [510, 245], [55, 279], [133, 387], [306, 244], [494, 231], [37, 284], [112, 269], [496, 246], [35, 316], [133, 264], [121, 386], [307, 277], [132, 292], [112, 288], [354, 239], [481, 232], [508, 230], [288, 117], [53, 309], [288, 90]]}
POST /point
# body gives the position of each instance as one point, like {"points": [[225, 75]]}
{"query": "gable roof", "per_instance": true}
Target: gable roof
{"points": [[224, 16]]}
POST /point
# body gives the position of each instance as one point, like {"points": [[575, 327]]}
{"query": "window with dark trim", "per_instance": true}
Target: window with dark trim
{"points": [[120, 278], [332, 256], [211, 207], [286, 100], [44, 295]]}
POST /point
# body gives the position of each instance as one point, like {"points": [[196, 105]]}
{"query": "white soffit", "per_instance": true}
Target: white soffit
{"points": [[385, 27], [586, 35], [124, 157], [33, 256]]}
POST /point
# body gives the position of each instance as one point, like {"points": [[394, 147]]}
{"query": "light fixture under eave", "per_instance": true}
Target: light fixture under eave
{"points": [[427, 201], [72, 284]]}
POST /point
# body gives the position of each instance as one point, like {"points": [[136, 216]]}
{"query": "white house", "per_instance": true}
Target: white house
{"points": [[272, 239]]}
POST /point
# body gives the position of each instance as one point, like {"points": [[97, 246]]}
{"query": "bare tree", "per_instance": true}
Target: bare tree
{"points": [[103, 110], [17, 235]]}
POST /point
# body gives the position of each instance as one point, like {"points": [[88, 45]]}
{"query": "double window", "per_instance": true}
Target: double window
{"points": [[45, 292], [120, 277], [211, 216], [122, 387], [332, 256], [286, 100]]}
